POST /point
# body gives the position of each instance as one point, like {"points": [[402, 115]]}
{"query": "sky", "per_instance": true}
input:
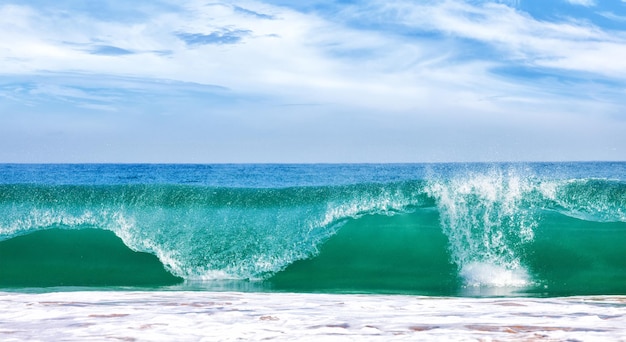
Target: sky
{"points": [[277, 81]]}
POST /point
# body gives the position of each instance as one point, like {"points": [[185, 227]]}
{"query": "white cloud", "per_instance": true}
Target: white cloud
{"points": [[613, 16], [294, 50], [307, 59], [312, 76], [586, 3], [575, 46]]}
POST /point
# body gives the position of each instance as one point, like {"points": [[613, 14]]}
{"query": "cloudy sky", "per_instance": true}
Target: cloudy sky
{"points": [[312, 81]]}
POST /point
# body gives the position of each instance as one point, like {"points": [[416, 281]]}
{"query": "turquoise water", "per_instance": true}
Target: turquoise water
{"points": [[538, 229]]}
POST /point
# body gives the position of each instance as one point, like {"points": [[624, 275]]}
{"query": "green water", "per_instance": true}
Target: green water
{"points": [[412, 229], [87, 257], [399, 254], [575, 257], [402, 253]]}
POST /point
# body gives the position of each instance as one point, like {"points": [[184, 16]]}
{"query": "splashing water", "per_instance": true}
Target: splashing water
{"points": [[487, 223]]}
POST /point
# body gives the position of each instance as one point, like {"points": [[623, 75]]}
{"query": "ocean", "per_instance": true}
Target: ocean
{"points": [[480, 235]]}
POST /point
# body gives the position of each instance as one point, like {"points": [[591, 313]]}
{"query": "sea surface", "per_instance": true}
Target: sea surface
{"points": [[521, 229], [509, 251]]}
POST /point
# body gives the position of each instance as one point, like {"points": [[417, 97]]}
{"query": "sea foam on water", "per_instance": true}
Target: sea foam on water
{"points": [[231, 316], [484, 274]]}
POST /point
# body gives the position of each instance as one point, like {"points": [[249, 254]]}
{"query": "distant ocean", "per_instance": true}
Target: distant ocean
{"points": [[518, 231]]}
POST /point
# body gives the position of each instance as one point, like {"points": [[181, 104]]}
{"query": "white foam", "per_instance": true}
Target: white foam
{"points": [[388, 202], [230, 316], [489, 275]]}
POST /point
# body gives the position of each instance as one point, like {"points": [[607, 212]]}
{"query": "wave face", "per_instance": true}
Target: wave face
{"points": [[86, 257], [442, 229]]}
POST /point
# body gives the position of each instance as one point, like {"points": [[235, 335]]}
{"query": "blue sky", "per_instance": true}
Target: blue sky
{"points": [[312, 81]]}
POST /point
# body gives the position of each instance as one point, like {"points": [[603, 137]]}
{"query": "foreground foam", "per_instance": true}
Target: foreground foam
{"points": [[194, 316]]}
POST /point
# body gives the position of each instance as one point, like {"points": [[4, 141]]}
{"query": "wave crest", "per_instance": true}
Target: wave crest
{"points": [[208, 233]]}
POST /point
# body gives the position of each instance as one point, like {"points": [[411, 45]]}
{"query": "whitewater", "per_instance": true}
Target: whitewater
{"points": [[236, 316]]}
